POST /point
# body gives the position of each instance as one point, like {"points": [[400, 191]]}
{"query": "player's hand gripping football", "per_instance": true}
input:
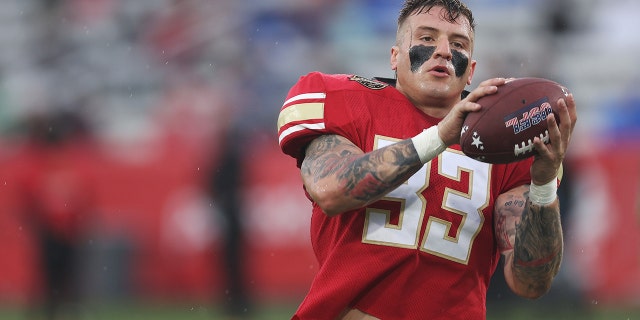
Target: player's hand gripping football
{"points": [[449, 128], [549, 158]]}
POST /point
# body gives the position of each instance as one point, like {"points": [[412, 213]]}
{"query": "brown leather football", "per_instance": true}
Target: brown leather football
{"points": [[504, 129]]}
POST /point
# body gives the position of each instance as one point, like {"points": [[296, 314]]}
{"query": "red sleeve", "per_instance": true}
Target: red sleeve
{"points": [[302, 115], [516, 174], [314, 106]]}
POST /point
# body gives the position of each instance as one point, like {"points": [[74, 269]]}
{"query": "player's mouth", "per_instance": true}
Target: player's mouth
{"points": [[440, 71]]}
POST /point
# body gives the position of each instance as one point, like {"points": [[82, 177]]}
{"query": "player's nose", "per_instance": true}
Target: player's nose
{"points": [[443, 49]]}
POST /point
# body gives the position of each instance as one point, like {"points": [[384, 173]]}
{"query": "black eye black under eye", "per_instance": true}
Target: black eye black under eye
{"points": [[419, 54], [460, 62]]}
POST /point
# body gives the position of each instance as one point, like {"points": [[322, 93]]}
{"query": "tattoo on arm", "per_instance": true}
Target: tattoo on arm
{"points": [[538, 245], [365, 176], [507, 216]]}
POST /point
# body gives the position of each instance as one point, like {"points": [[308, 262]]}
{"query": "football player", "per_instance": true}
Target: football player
{"points": [[405, 226]]}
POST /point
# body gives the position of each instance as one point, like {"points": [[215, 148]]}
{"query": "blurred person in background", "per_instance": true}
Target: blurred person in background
{"points": [[226, 190], [57, 202], [409, 228]]}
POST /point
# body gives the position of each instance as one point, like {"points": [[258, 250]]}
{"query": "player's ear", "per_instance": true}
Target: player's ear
{"points": [[394, 58], [472, 69]]}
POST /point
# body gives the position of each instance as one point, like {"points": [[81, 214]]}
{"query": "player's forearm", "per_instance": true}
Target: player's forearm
{"points": [[537, 251], [342, 178]]}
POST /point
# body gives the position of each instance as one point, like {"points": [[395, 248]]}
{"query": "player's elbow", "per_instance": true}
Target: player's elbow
{"points": [[330, 205], [535, 292], [331, 212], [330, 200], [531, 290], [526, 287]]}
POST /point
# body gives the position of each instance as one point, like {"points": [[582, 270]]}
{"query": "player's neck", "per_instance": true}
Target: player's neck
{"points": [[434, 102], [438, 112], [435, 107]]}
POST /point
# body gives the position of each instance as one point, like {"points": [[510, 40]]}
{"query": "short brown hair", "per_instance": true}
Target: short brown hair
{"points": [[453, 8]]}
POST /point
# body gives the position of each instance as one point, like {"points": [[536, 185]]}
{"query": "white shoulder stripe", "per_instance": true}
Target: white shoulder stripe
{"points": [[316, 95], [300, 127]]}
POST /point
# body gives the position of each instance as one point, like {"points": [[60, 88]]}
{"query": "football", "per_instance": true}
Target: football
{"points": [[504, 129]]}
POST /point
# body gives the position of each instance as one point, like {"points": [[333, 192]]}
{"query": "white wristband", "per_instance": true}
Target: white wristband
{"points": [[544, 194], [428, 144]]}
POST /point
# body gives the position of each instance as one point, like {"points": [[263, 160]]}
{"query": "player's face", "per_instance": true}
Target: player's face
{"points": [[432, 58]]}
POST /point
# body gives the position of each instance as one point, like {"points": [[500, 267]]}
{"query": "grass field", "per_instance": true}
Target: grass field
{"points": [[155, 312], [280, 311], [516, 313], [144, 311]]}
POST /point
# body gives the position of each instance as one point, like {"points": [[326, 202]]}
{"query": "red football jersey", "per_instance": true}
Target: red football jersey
{"points": [[425, 251]]}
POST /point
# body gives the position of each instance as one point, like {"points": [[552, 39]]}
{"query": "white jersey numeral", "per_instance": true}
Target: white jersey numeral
{"points": [[438, 239]]}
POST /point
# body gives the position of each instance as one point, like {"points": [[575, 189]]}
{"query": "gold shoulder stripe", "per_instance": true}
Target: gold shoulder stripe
{"points": [[301, 112]]}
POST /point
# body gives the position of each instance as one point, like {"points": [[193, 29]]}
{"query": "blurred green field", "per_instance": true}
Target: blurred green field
{"points": [[123, 311], [523, 313], [280, 311]]}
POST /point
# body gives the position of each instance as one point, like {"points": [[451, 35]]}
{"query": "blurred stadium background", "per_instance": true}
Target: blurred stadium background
{"points": [[142, 134]]}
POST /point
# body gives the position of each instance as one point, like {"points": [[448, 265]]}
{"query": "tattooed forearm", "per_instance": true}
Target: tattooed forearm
{"points": [[376, 173], [325, 156], [538, 246], [508, 214], [364, 177]]}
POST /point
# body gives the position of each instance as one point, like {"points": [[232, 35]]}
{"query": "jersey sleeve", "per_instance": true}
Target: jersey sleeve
{"points": [[516, 174], [314, 106], [519, 173]]}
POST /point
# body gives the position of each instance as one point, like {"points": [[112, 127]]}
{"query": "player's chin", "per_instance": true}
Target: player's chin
{"points": [[437, 88]]}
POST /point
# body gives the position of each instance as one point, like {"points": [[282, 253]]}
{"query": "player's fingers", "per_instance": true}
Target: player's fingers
{"points": [[570, 102], [543, 149], [480, 92], [567, 123], [568, 114], [449, 127], [494, 82], [557, 139], [486, 87], [468, 106]]}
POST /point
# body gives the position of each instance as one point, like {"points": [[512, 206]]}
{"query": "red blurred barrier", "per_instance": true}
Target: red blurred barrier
{"points": [[161, 214], [606, 224]]}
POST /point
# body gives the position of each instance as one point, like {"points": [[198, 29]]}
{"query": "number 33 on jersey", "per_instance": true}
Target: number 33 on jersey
{"points": [[465, 205]]}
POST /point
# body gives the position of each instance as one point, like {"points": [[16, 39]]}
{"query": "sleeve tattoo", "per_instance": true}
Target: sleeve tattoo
{"points": [[365, 176], [538, 246], [532, 234]]}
